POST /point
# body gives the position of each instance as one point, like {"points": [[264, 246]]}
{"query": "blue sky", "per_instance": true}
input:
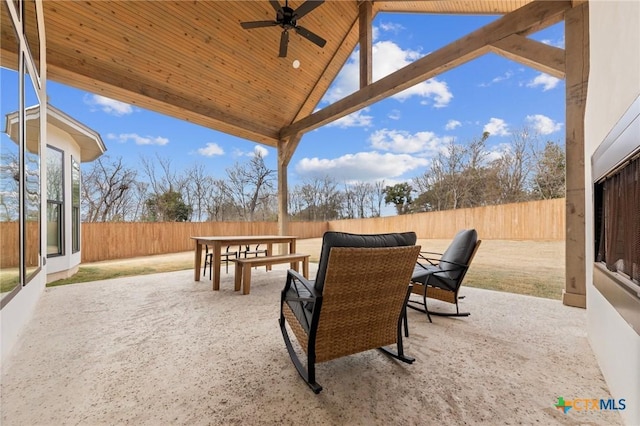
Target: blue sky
{"points": [[391, 140]]}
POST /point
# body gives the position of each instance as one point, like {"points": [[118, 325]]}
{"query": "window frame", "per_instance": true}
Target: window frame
{"points": [[59, 204]]}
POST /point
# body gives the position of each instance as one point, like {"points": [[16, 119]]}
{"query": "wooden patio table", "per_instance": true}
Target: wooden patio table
{"points": [[235, 240]]}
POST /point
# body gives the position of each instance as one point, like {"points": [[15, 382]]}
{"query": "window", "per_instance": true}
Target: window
{"points": [[55, 206], [9, 173], [618, 221], [616, 214], [20, 152], [31, 165], [75, 205]]}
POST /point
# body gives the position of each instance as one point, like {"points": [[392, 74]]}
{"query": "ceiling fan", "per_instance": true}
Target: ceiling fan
{"points": [[287, 18]]}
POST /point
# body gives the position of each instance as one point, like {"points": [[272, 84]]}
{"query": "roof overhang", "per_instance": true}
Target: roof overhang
{"points": [[89, 141]]}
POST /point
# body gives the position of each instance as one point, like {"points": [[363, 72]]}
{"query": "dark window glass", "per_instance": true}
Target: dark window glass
{"points": [[75, 205], [55, 191], [618, 221]]}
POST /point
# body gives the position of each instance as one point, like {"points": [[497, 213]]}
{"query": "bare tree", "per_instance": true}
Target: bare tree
{"points": [[9, 182], [163, 180], [319, 199], [513, 168], [361, 195], [549, 172], [377, 198], [249, 185], [106, 187], [197, 184], [442, 186]]}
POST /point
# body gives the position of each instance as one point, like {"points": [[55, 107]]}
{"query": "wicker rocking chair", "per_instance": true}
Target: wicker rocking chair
{"points": [[439, 276], [356, 303]]}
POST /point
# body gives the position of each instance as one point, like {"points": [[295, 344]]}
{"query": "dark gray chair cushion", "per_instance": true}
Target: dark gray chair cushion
{"points": [[446, 275], [343, 239], [458, 252]]}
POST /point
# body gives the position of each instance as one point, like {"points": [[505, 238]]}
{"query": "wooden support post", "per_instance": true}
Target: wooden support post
{"points": [[577, 76], [283, 195], [366, 43]]}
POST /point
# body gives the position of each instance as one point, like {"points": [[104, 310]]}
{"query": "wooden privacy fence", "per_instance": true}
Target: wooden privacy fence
{"points": [[120, 240], [534, 220]]}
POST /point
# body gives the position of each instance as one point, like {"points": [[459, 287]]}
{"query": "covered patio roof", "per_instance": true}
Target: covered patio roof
{"points": [[194, 61]]}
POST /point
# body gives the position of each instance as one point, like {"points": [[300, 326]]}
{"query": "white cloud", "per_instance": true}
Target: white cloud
{"points": [[260, 150], [557, 43], [506, 76], [362, 166], [452, 124], [430, 89], [496, 127], [404, 142], [355, 119], [543, 124], [545, 80], [388, 57], [139, 140], [392, 27], [394, 114], [212, 149], [107, 105], [498, 151]]}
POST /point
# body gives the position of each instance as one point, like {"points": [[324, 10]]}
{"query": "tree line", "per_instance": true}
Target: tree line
{"points": [[459, 176]]}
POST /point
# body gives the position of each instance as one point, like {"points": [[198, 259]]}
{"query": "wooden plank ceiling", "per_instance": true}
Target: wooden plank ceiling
{"points": [[192, 60]]}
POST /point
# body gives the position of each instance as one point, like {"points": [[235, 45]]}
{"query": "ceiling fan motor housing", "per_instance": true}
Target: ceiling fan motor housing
{"points": [[286, 17]]}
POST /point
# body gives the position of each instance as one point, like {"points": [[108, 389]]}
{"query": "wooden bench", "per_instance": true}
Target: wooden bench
{"points": [[243, 267]]}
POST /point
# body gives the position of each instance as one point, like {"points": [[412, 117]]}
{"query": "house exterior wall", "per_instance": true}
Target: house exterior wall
{"points": [[19, 310], [614, 83], [64, 266]]}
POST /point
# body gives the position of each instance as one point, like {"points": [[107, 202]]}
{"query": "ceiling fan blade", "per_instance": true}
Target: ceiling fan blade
{"points": [[276, 6], [258, 24], [311, 36], [284, 42], [307, 7]]}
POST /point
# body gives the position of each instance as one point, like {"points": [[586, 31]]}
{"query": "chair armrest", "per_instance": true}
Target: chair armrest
{"points": [[431, 260], [308, 285], [430, 252], [459, 265]]}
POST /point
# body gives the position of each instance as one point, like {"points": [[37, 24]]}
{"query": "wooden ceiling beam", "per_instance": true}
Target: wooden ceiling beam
{"points": [[339, 58], [545, 58], [532, 17]]}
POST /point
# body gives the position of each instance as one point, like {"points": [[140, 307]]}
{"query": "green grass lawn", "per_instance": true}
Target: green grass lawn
{"points": [[522, 267]]}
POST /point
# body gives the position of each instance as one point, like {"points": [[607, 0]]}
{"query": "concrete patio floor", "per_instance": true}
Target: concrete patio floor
{"points": [[163, 349]]}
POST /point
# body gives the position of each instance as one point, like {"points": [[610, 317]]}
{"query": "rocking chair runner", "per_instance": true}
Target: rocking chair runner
{"points": [[356, 303], [439, 276]]}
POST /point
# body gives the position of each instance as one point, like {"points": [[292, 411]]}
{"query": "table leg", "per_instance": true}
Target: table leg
{"points": [[246, 279], [237, 279], [215, 268], [198, 261], [269, 253]]}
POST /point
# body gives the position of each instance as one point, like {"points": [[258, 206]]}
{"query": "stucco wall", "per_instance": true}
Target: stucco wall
{"points": [[614, 83], [57, 266]]}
